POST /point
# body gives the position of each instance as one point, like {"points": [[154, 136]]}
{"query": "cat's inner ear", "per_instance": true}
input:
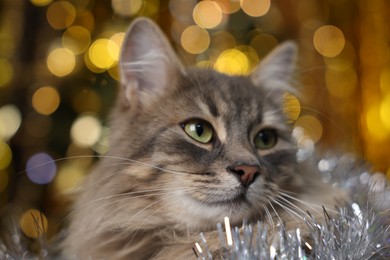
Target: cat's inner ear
{"points": [[148, 65], [276, 70]]}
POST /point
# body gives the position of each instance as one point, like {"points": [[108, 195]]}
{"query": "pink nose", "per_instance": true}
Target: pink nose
{"points": [[246, 173]]}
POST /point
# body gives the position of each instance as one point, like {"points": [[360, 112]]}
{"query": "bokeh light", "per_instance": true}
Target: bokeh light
{"points": [[76, 39], [68, 177], [291, 107], [229, 6], [195, 40], [255, 8], [207, 14], [103, 53], [61, 62], [232, 62], [41, 2], [329, 40], [374, 123], [46, 100], [5, 155], [10, 120], [7, 72], [127, 8], [33, 223], [61, 14], [385, 111], [182, 10], [312, 127], [41, 168], [86, 130]]}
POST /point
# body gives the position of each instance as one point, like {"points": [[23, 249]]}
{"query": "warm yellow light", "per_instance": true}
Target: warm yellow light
{"points": [[68, 177], [341, 82], [61, 62], [385, 80], [385, 111], [10, 120], [5, 155], [7, 72], [255, 8], [127, 8], [77, 39], [195, 40], [101, 53], [291, 107], [61, 14], [46, 100], [251, 55], [232, 62], [229, 6], [33, 223], [329, 40], [114, 45], [41, 2], [375, 126], [86, 130], [312, 127], [207, 14]]}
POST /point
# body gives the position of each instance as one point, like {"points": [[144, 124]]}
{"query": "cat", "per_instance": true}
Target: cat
{"points": [[188, 147]]}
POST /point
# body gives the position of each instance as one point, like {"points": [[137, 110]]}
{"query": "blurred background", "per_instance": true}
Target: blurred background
{"points": [[58, 79]]}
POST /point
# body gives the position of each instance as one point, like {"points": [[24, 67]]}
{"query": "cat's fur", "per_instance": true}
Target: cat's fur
{"points": [[157, 188]]}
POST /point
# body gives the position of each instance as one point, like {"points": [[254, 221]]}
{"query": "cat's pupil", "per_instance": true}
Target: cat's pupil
{"points": [[199, 129]]}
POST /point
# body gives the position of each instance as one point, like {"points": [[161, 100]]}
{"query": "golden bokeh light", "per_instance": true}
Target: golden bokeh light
{"points": [[3, 181], [10, 120], [329, 40], [68, 177], [312, 127], [7, 72], [103, 53], [5, 155], [61, 62], [86, 130], [127, 8], [77, 39], [341, 82], [61, 14], [385, 111], [291, 107], [46, 100], [229, 6], [195, 39], [41, 2], [114, 45], [207, 14], [255, 8], [375, 126], [33, 223], [251, 55], [232, 62]]}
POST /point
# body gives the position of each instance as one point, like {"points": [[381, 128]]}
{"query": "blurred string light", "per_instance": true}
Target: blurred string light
{"points": [[86, 130], [127, 8], [5, 155], [255, 8], [10, 120], [207, 14], [41, 2], [329, 40], [229, 6], [312, 127], [33, 223], [76, 39], [41, 168], [291, 107], [61, 14], [61, 62], [232, 62], [195, 39], [46, 100]]}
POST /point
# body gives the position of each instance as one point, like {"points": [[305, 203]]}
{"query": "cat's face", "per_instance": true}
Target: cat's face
{"points": [[215, 145]]}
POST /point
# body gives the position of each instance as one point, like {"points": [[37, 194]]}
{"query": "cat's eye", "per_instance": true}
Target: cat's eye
{"points": [[266, 139], [198, 130]]}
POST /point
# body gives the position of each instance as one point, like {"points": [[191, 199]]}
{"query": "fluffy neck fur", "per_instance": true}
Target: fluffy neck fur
{"points": [[157, 188]]}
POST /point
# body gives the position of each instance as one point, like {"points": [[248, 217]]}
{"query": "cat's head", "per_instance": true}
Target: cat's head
{"points": [[217, 145]]}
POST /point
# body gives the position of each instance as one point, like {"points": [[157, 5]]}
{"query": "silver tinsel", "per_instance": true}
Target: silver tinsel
{"points": [[360, 230]]}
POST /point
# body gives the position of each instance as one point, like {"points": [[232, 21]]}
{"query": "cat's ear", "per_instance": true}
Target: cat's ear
{"points": [[276, 70], [148, 65]]}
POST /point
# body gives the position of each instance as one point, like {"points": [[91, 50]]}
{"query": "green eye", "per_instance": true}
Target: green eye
{"points": [[198, 130], [266, 139]]}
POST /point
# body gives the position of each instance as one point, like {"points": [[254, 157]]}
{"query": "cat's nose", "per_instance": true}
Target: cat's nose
{"points": [[246, 173]]}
